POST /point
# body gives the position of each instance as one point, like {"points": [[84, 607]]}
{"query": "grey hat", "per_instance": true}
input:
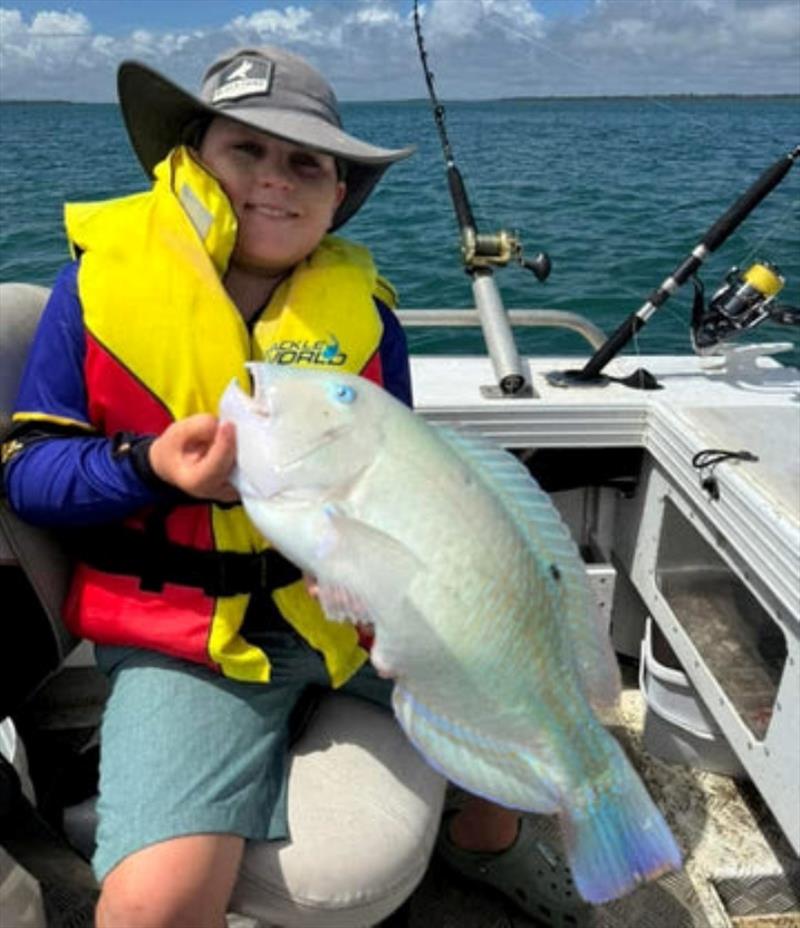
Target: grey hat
{"points": [[265, 88]]}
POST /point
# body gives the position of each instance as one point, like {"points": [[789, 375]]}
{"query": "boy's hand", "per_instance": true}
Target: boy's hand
{"points": [[197, 455]]}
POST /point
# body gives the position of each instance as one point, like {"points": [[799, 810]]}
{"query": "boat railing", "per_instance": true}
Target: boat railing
{"points": [[548, 318]]}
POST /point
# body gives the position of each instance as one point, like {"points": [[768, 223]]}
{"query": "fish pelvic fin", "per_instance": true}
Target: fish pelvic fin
{"points": [[497, 770], [616, 838]]}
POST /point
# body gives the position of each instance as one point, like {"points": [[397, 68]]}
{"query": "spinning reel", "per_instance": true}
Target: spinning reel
{"points": [[743, 301]]}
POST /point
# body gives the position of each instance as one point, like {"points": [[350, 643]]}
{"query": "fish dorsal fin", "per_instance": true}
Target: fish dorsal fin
{"points": [[550, 540]]}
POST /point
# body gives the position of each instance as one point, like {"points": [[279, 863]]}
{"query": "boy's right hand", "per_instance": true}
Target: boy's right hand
{"points": [[197, 455]]}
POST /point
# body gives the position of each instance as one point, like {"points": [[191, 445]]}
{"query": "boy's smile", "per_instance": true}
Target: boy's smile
{"points": [[284, 196], [272, 212]]}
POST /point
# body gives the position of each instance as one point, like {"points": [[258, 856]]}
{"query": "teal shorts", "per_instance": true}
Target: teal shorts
{"points": [[185, 751]]}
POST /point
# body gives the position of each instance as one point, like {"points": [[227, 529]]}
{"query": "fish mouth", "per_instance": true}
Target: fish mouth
{"points": [[259, 408]]}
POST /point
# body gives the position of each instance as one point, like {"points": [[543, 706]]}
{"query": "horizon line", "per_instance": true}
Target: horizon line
{"points": [[517, 98]]}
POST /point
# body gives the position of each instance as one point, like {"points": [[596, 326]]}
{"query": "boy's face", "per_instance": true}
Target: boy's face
{"points": [[284, 196]]}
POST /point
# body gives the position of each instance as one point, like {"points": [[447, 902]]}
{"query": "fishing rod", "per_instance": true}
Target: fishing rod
{"points": [[482, 252], [755, 289]]}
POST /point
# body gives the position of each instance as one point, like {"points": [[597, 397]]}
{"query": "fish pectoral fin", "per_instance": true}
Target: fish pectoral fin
{"points": [[364, 571]]}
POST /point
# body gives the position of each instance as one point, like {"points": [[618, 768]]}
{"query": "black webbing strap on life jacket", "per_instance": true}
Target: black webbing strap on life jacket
{"points": [[156, 560]]}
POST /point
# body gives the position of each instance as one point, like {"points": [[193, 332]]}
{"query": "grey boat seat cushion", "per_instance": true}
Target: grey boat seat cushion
{"points": [[34, 567]]}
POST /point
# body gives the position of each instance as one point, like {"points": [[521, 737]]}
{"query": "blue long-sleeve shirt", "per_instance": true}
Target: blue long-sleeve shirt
{"points": [[68, 474]]}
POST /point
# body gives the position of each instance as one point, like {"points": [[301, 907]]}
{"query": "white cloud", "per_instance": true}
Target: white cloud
{"points": [[521, 12], [775, 23], [10, 23], [451, 21], [477, 48], [377, 15], [54, 23], [103, 45], [142, 37], [285, 24], [39, 59], [696, 46]]}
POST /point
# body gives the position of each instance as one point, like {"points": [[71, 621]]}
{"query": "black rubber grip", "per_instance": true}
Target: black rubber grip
{"points": [[460, 200]]}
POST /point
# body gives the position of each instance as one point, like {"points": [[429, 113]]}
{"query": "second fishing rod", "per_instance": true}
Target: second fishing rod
{"points": [[758, 278]]}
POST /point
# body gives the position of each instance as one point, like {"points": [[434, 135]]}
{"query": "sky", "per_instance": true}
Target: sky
{"points": [[478, 49]]}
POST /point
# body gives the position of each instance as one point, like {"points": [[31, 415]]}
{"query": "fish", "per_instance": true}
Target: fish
{"points": [[478, 599]]}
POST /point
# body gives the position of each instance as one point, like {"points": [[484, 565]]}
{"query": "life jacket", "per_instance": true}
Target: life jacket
{"points": [[163, 340]]}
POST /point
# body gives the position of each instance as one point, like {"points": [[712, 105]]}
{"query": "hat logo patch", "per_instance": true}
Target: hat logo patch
{"points": [[243, 78]]}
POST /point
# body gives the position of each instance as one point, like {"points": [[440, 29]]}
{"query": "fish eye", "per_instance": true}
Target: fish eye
{"points": [[343, 393]]}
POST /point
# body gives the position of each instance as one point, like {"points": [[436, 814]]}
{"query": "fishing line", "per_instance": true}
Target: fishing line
{"points": [[755, 249], [771, 231], [481, 253], [534, 40]]}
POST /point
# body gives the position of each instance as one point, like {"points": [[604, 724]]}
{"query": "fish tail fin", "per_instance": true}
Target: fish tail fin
{"points": [[615, 835]]}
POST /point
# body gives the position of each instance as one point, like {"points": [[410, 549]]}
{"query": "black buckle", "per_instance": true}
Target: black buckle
{"points": [[222, 578], [230, 573]]}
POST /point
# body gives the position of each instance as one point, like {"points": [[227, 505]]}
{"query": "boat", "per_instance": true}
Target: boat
{"points": [[685, 503]]}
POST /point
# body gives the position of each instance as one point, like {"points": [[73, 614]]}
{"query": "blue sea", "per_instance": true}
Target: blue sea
{"points": [[616, 191]]}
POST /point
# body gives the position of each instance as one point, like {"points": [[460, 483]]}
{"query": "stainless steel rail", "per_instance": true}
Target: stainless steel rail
{"points": [[552, 318]]}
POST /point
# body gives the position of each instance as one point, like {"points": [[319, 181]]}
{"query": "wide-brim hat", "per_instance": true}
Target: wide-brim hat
{"points": [[265, 88]]}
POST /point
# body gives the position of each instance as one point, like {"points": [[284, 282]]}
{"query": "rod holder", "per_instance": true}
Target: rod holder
{"points": [[511, 380]]}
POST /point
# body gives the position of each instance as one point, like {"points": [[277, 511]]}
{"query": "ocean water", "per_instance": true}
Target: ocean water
{"points": [[616, 191]]}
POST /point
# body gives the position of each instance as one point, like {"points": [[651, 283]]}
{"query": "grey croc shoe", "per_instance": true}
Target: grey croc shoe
{"points": [[532, 874]]}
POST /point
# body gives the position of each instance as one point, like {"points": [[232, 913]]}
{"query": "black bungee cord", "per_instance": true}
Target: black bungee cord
{"points": [[706, 461]]}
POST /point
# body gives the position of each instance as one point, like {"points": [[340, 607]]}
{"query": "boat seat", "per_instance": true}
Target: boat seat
{"points": [[364, 807], [34, 567]]}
